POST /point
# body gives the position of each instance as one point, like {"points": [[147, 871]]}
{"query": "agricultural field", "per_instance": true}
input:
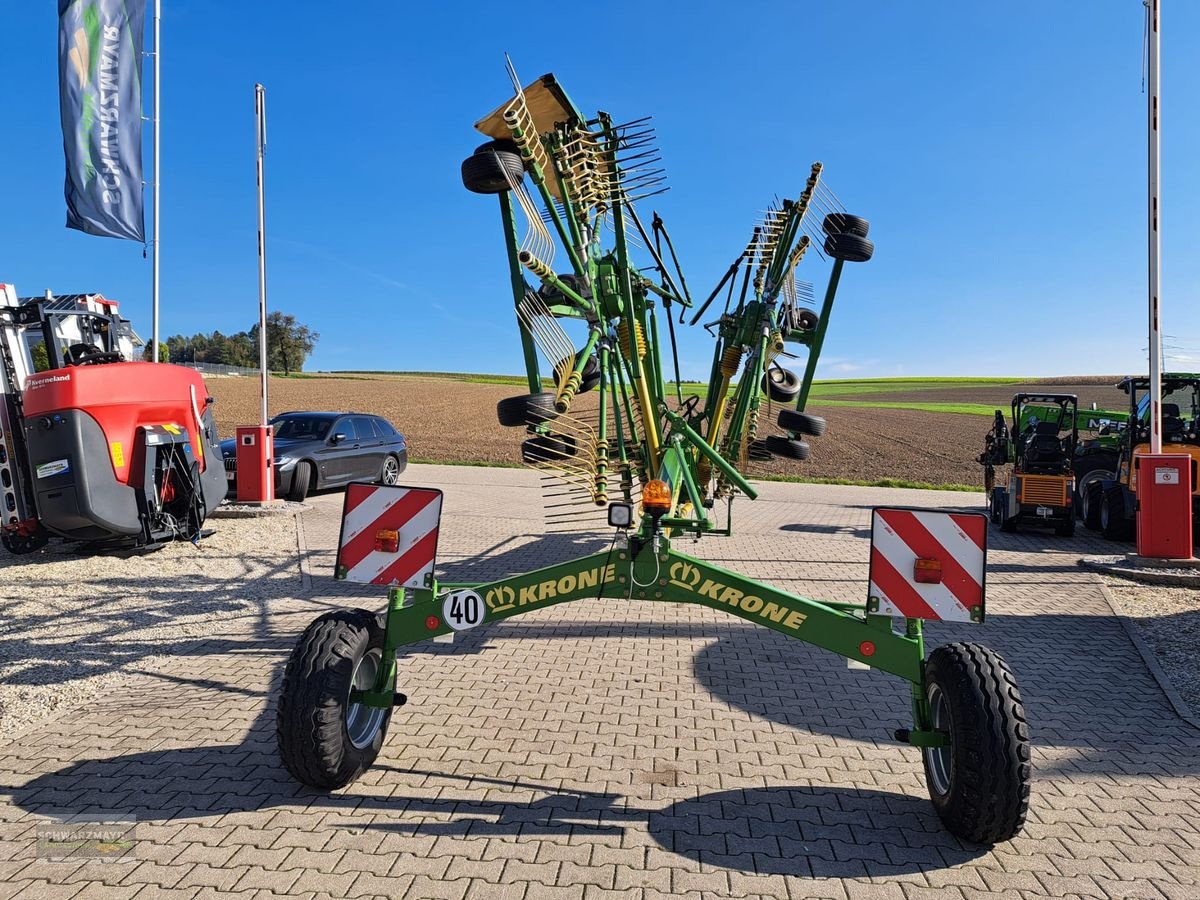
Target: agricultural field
{"points": [[918, 430]]}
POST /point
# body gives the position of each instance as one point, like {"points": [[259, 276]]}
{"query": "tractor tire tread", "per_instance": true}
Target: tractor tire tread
{"points": [[988, 798], [309, 723]]}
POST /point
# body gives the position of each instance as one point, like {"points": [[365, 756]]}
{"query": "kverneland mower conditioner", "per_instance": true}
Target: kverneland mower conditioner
{"points": [[97, 449], [678, 456]]}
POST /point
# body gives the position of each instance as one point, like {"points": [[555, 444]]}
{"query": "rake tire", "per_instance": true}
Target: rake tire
{"points": [[311, 726], [849, 247], [781, 385], [844, 223], [484, 171], [979, 784], [526, 409], [787, 448], [801, 423]]}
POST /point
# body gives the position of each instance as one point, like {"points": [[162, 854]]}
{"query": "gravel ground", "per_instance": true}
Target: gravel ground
{"points": [[74, 626], [1169, 621]]}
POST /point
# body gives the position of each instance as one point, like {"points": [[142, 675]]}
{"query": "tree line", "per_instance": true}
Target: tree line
{"points": [[289, 344]]}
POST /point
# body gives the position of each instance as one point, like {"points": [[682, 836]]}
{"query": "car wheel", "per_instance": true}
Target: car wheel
{"points": [[391, 470], [301, 481]]}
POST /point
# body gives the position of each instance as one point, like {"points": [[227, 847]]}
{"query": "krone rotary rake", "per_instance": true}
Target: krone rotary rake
{"points": [[662, 463]]}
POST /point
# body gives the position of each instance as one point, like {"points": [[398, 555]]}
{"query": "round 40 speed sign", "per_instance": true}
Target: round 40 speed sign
{"points": [[463, 609]]}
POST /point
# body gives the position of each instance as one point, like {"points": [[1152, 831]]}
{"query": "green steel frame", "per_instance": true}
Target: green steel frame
{"points": [[694, 448]]}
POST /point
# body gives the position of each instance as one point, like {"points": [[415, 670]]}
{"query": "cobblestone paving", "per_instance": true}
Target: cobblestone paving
{"points": [[606, 749]]}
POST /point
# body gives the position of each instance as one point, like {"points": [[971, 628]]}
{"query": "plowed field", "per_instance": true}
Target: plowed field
{"points": [[449, 420]]}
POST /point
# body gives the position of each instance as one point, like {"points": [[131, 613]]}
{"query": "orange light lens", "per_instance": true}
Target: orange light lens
{"points": [[927, 571], [387, 540], [656, 497]]}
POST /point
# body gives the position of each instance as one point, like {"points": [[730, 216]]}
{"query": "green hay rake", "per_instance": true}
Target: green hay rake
{"points": [[643, 440]]}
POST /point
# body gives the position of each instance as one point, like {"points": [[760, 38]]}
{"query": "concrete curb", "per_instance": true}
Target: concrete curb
{"points": [[286, 508], [1146, 574], [1164, 680]]}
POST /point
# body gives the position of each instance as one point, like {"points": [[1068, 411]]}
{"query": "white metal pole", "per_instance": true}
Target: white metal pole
{"points": [[1154, 124], [154, 247], [260, 114]]}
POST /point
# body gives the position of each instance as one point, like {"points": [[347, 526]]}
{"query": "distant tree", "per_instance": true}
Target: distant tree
{"points": [[289, 344], [164, 352], [41, 359]]}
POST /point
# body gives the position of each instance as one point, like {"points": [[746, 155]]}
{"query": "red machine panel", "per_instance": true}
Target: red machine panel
{"points": [[255, 463], [1164, 505]]}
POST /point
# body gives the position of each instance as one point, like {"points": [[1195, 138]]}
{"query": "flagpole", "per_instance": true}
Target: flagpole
{"points": [[1153, 126], [154, 239], [260, 115]]}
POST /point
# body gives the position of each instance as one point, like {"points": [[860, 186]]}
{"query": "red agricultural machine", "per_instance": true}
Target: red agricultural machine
{"points": [[96, 448]]}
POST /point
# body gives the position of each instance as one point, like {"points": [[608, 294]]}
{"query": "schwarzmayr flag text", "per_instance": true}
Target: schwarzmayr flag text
{"points": [[100, 94]]}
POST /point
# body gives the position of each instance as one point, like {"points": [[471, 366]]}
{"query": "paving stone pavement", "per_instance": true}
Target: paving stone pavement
{"points": [[607, 749]]}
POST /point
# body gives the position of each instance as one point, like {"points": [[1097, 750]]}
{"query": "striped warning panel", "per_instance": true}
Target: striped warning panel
{"points": [[389, 535], [928, 565]]}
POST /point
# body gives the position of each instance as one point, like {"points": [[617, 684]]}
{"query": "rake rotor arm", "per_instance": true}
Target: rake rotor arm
{"points": [[708, 451]]}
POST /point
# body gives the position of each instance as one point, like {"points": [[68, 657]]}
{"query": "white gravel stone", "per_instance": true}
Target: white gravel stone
{"points": [[74, 626], [1168, 619]]}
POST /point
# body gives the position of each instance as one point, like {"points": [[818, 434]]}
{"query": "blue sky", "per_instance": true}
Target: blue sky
{"points": [[997, 149]]}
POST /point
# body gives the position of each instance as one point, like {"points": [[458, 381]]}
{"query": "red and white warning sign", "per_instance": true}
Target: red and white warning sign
{"points": [[389, 535], [928, 565]]}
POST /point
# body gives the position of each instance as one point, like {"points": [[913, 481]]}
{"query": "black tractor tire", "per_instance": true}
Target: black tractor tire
{"points": [[19, 544], [1113, 524], [526, 409], [844, 223], [1091, 504], [1065, 528], [1088, 469], [781, 385], [849, 247], [548, 448], [979, 783], [324, 740], [484, 171], [302, 480], [787, 448], [590, 376], [995, 510], [757, 450], [801, 423]]}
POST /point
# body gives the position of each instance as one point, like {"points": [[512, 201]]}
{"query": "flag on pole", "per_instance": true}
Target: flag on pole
{"points": [[100, 97]]}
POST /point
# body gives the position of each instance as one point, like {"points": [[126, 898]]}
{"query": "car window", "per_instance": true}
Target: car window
{"points": [[346, 427], [301, 428], [366, 430], [384, 427]]}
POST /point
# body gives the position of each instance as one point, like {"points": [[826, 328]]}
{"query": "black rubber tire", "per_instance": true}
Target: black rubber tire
{"points": [[548, 448], [986, 798], [310, 725], [806, 319], [302, 480], [844, 223], [386, 477], [1065, 528], [1113, 524], [801, 423], [995, 510], [1091, 504], [1091, 465], [526, 409], [20, 544], [780, 384], [787, 448], [757, 450], [484, 171], [849, 247], [590, 374]]}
